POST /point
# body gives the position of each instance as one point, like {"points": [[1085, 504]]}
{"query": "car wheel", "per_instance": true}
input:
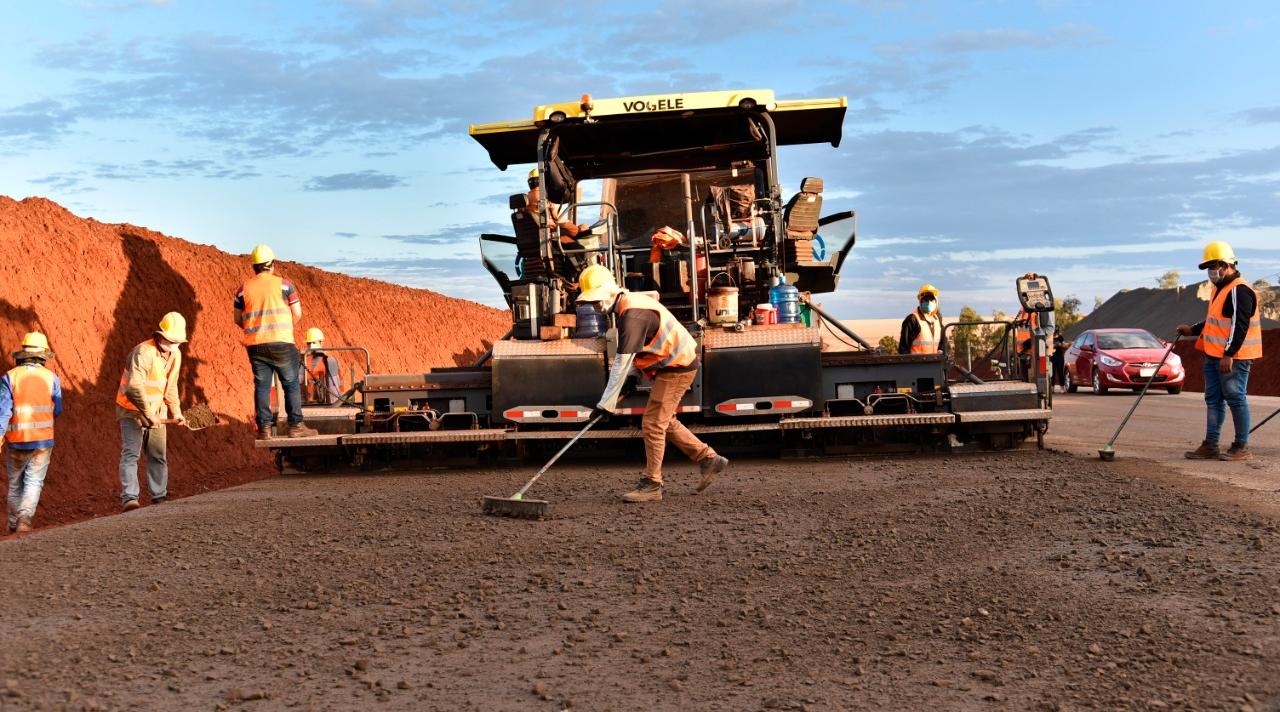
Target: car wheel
{"points": [[1072, 386], [1098, 388], [1174, 390]]}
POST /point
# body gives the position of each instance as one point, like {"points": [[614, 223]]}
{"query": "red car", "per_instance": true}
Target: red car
{"points": [[1121, 358]]}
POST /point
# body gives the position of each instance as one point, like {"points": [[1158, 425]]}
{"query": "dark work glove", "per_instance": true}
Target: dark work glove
{"points": [[599, 412]]}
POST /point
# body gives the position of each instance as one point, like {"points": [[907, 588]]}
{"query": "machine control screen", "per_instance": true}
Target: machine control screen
{"points": [[1035, 294]]}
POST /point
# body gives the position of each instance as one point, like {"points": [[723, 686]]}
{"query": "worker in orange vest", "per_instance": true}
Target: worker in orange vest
{"points": [[148, 395], [323, 373], [1231, 339], [567, 228], [266, 308], [922, 329], [653, 341], [30, 399]]}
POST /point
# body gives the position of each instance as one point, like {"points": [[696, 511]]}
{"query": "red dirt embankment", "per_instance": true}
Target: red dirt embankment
{"points": [[1264, 376], [98, 289]]}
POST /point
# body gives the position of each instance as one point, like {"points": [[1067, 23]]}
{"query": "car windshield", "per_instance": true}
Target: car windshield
{"points": [[1128, 340]]}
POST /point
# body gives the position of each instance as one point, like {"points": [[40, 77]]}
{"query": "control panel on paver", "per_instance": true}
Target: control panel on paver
{"points": [[1035, 294]]}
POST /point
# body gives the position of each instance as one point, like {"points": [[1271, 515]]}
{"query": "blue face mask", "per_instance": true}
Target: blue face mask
{"points": [[928, 307]]}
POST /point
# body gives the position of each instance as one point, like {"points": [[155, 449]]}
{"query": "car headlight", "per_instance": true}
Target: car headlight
{"points": [[1109, 361]]}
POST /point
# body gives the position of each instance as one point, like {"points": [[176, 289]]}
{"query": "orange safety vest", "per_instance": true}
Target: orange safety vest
{"points": [[926, 342], [156, 382], [673, 346], [267, 317], [32, 420], [1217, 328], [1025, 323], [318, 372]]}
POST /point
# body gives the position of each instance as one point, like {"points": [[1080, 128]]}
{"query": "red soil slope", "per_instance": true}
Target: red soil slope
{"points": [[97, 290], [1264, 376]]}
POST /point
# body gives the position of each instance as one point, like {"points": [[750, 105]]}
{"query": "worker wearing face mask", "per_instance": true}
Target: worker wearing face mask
{"points": [[922, 329], [1231, 339], [148, 395]]}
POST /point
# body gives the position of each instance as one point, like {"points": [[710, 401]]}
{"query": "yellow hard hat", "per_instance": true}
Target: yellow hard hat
{"points": [[173, 327], [533, 174], [597, 284], [35, 340], [262, 254], [928, 289], [1217, 252], [314, 334]]}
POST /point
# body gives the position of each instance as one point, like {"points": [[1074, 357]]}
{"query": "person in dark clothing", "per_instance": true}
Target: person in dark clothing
{"points": [[1059, 359], [1231, 339]]}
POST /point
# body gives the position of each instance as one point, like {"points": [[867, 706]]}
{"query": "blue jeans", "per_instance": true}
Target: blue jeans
{"points": [[1227, 389], [284, 361], [27, 469], [133, 438]]}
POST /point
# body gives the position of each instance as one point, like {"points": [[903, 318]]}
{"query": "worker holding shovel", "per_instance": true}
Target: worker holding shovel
{"points": [[1231, 339], [148, 396]]}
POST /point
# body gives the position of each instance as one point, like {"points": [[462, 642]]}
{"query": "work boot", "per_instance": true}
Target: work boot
{"points": [[1238, 451], [24, 525], [1208, 450], [302, 431], [130, 505], [646, 491], [262, 434], [159, 500], [711, 467]]}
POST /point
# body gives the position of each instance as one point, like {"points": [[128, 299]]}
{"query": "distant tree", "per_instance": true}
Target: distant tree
{"points": [[1168, 280], [1067, 312], [964, 339], [1097, 303], [890, 344], [992, 336], [1268, 299]]}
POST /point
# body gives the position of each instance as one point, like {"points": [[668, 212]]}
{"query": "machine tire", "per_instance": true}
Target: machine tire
{"points": [[1072, 386], [1174, 390], [1098, 388]]}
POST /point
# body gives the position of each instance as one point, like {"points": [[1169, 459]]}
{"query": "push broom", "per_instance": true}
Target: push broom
{"points": [[1108, 453], [516, 505]]}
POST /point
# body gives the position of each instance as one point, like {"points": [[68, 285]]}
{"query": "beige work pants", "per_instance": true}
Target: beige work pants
{"points": [[659, 423]]}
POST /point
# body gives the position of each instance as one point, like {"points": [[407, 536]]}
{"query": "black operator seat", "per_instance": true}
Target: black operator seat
{"points": [[528, 236]]}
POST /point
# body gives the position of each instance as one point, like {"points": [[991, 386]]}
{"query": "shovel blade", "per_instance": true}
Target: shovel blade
{"points": [[1107, 455]]}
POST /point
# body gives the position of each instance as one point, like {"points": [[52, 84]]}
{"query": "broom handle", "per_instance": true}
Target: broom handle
{"points": [[1264, 421], [1145, 386], [552, 461]]}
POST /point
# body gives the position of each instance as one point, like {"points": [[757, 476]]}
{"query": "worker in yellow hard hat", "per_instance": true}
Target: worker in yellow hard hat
{"points": [[921, 331], [1231, 339], [30, 400], [653, 341], [146, 399], [568, 230], [266, 307], [324, 376]]}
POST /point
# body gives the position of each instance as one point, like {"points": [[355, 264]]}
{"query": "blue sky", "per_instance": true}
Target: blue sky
{"points": [[1099, 142]]}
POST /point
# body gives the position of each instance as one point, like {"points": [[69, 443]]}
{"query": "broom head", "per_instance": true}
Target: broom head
{"points": [[519, 508]]}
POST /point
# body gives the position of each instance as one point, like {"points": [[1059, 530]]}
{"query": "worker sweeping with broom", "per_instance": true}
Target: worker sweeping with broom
{"points": [[1231, 339], [653, 341]]}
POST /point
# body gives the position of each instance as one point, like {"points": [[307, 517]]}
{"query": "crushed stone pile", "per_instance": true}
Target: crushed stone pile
{"points": [[97, 289]]}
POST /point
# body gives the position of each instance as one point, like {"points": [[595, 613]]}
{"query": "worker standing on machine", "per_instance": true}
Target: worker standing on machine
{"points": [[266, 308], [655, 342], [1231, 339], [922, 329], [324, 377]]}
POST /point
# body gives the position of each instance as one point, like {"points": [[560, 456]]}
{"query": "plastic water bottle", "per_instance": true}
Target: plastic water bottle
{"points": [[786, 299]]}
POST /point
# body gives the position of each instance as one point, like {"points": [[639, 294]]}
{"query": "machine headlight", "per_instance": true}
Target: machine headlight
{"points": [[1109, 361]]}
